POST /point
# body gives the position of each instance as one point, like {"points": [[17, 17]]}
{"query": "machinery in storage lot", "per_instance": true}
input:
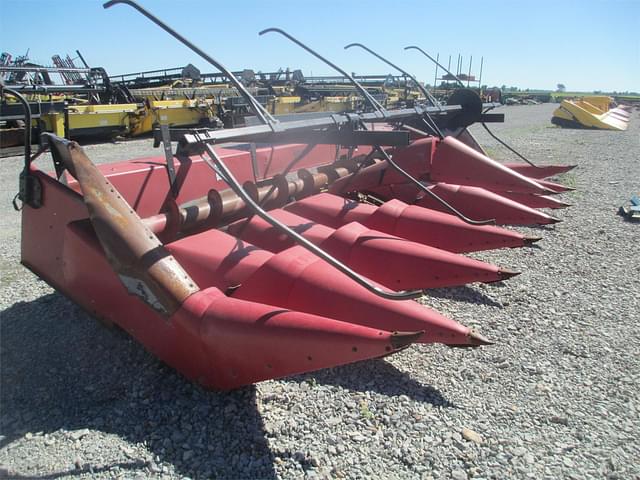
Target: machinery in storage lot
{"points": [[593, 112]]}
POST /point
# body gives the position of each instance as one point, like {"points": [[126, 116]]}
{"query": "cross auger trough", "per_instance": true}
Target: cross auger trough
{"points": [[284, 246]]}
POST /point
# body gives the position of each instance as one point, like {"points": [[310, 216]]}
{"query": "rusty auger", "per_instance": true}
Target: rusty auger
{"points": [[145, 267], [382, 113]]}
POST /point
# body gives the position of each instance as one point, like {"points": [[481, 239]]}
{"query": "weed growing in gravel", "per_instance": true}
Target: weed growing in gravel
{"points": [[569, 179], [364, 410], [493, 152]]}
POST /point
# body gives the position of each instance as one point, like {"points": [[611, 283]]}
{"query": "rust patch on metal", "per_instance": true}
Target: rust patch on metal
{"points": [[144, 266]]}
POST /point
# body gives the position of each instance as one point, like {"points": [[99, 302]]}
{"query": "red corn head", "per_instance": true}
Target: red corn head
{"points": [[295, 279], [392, 261], [418, 224], [454, 162], [219, 341]]}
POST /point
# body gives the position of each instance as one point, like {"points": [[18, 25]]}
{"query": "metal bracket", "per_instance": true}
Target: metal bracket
{"points": [[168, 155], [254, 161], [30, 191], [492, 118]]}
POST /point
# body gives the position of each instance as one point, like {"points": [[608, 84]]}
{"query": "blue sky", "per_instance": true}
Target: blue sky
{"points": [[586, 45]]}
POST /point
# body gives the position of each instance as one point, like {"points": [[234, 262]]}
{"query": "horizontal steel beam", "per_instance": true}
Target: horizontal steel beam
{"points": [[265, 133], [24, 88], [492, 118], [35, 68]]}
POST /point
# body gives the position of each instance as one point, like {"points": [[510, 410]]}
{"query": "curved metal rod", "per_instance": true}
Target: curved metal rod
{"points": [[433, 195], [426, 93], [503, 143], [383, 111], [372, 101], [431, 124], [507, 146], [258, 109], [27, 126], [218, 165], [413, 47]]}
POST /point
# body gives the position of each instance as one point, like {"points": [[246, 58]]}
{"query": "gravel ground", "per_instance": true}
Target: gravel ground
{"points": [[556, 397]]}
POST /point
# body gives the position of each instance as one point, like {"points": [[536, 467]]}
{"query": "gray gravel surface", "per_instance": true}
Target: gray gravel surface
{"points": [[555, 397]]}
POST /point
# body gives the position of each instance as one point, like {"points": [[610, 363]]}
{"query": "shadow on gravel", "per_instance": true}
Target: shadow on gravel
{"points": [[6, 473], [64, 370], [381, 377], [465, 294], [544, 228]]}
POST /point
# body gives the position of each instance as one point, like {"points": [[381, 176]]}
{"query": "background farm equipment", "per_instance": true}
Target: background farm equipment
{"points": [[595, 112]]}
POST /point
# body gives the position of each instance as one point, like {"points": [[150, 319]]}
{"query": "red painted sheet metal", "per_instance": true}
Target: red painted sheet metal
{"points": [[260, 233], [216, 259], [332, 210], [218, 341], [296, 279], [418, 224], [456, 163], [392, 261], [44, 229]]}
